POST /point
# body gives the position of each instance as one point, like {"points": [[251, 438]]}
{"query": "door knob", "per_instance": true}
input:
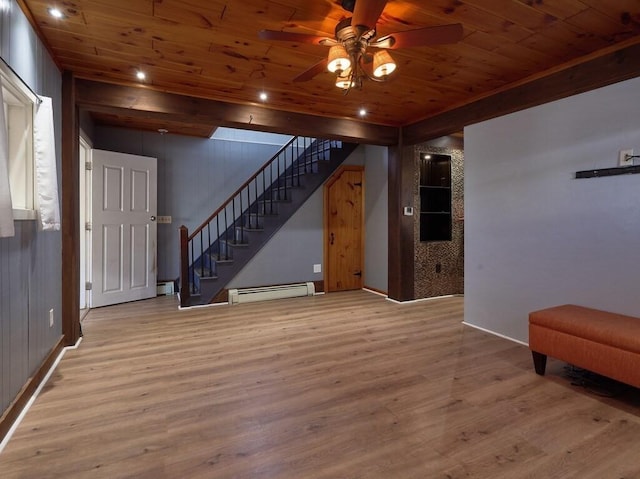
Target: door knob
{"points": [[153, 218]]}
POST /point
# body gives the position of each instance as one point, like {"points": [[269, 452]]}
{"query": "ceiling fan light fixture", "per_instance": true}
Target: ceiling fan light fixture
{"points": [[356, 44], [338, 60], [345, 80], [383, 64]]}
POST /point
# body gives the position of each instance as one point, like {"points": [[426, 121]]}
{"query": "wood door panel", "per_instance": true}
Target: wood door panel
{"points": [[344, 205], [140, 254], [111, 254]]}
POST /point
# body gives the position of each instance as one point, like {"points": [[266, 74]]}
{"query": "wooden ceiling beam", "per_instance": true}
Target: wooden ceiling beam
{"points": [[151, 104], [594, 71], [612, 66]]}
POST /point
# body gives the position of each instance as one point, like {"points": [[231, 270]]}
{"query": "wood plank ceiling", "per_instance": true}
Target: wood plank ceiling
{"points": [[210, 49]]}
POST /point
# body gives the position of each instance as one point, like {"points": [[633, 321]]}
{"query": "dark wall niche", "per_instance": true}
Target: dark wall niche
{"points": [[435, 197]]}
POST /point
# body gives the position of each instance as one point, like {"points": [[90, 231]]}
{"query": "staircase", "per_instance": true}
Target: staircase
{"points": [[218, 249]]}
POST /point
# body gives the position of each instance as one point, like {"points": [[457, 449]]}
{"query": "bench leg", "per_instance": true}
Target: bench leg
{"points": [[539, 362]]}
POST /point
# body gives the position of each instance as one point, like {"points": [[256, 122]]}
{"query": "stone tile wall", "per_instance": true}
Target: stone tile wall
{"points": [[449, 255]]}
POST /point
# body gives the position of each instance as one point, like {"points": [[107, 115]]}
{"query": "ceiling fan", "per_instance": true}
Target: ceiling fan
{"points": [[349, 55]]}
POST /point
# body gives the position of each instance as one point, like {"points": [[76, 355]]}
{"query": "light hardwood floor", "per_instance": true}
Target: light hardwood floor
{"points": [[340, 386]]}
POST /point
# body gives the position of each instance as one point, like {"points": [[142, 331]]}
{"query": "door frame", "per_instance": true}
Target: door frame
{"points": [[84, 176], [332, 179]]}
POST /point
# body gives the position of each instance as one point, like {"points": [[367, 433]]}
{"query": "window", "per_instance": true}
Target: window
{"points": [[19, 108]]}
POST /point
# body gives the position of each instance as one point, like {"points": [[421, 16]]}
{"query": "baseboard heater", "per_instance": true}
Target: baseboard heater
{"points": [[247, 295]]}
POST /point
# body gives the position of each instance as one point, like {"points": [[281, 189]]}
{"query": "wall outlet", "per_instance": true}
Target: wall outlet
{"points": [[624, 157], [51, 318], [317, 268], [164, 219]]}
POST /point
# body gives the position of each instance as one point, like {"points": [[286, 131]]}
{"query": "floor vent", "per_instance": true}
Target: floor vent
{"points": [[248, 295]]}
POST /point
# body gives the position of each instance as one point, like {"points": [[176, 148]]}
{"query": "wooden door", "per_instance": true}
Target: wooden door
{"points": [[344, 229], [124, 230]]}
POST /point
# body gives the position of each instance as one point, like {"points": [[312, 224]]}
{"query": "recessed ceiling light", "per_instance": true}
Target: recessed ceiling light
{"points": [[362, 112], [263, 96], [55, 13], [140, 75]]}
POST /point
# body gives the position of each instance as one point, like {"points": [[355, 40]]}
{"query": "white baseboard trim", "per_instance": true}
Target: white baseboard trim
{"points": [[196, 306], [425, 299], [33, 398], [375, 292], [522, 343]]}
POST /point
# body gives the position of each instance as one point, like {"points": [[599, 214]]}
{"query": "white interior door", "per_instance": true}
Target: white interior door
{"points": [[124, 200]]}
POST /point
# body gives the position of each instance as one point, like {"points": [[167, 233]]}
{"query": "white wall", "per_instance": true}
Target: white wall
{"points": [[534, 235]]}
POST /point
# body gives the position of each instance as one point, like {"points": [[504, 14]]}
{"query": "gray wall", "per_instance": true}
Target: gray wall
{"points": [[30, 262], [302, 236], [195, 175], [376, 247], [536, 236], [290, 255]]}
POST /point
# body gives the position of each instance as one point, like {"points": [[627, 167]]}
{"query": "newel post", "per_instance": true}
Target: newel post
{"points": [[184, 266]]}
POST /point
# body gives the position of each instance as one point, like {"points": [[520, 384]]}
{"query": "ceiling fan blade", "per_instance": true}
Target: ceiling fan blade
{"points": [[312, 72], [439, 35], [367, 12], [296, 37]]}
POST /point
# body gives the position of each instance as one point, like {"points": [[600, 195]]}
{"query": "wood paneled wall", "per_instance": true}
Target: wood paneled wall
{"points": [[30, 262]]}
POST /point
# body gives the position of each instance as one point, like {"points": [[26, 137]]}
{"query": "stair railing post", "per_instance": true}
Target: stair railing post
{"points": [[287, 157], [241, 218], [184, 266], [255, 196]]}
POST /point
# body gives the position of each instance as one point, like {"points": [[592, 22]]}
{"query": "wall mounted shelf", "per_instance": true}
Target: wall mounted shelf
{"points": [[620, 170]]}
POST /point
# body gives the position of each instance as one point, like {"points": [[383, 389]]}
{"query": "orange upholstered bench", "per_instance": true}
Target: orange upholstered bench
{"points": [[599, 341]]}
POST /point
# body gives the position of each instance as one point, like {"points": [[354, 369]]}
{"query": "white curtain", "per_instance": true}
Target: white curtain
{"points": [[6, 211], [46, 173]]}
